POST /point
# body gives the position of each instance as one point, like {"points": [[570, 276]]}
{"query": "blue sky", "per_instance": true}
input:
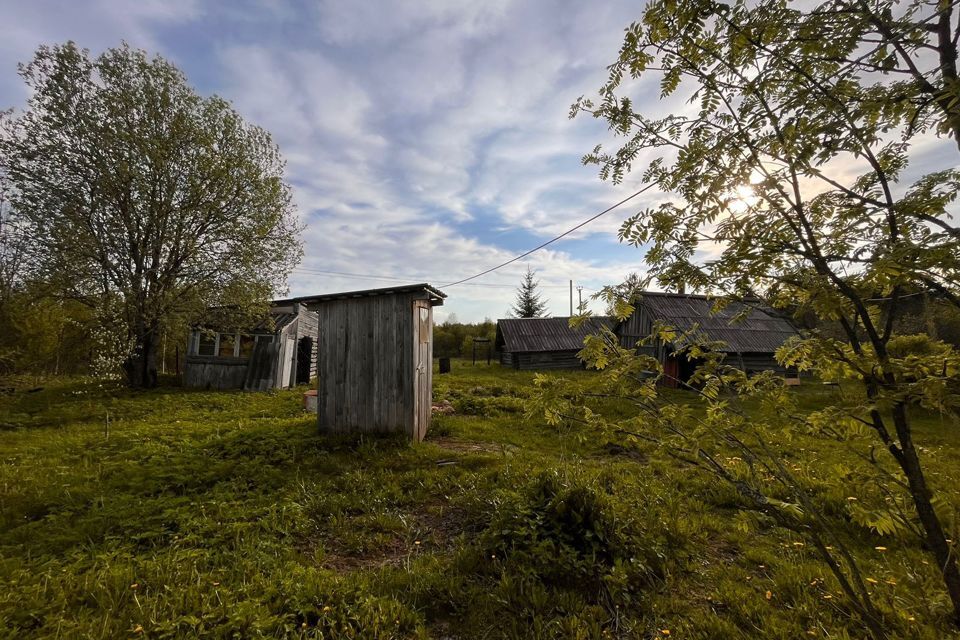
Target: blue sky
{"points": [[426, 140], [423, 139]]}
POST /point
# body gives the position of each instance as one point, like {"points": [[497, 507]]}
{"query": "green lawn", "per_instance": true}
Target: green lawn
{"points": [[221, 514]]}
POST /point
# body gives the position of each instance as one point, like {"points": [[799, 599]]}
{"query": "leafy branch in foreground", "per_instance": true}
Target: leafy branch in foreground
{"points": [[741, 434], [789, 164]]}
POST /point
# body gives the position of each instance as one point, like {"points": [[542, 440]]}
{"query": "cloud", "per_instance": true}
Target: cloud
{"points": [[423, 139]]}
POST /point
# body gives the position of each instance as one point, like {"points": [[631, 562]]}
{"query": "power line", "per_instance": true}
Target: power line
{"points": [[549, 242]]}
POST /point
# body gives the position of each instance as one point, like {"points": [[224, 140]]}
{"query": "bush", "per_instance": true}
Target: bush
{"points": [[571, 536]]}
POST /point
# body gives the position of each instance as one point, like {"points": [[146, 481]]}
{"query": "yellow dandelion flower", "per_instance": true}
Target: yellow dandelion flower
{"points": [[769, 595], [880, 549]]}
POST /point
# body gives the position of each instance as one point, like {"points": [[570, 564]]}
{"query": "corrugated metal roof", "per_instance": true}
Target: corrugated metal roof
{"points": [[435, 294], [521, 335], [761, 330]]}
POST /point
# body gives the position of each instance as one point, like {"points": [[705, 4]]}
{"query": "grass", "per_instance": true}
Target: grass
{"points": [[226, 515]]}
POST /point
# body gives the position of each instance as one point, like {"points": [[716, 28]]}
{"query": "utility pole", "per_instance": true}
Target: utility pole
{"points": [[580, 299], [571, 298]]}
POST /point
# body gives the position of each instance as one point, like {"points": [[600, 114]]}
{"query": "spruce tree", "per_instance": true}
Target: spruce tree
{"points": [[529, 304]]}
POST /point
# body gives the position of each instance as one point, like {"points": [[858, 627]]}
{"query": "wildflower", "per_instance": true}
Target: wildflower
{"points": [[325, 609], [872, 580], [891, 581], [851, 499], [416, 542], [138, 629], [665, 632], [769, 595], [828, 597], [135, 585], [880, 549]]}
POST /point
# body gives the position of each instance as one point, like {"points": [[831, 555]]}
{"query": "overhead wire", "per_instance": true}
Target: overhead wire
{"points": [[552, 240], [466, 281]]}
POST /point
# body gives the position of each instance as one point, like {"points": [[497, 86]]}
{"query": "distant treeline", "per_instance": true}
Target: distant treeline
{"points": [[42, 335], [453, 339]]}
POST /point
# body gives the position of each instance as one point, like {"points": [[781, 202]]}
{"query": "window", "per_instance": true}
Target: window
{"points": [[206, 343], [228, 343], [246, 346]]}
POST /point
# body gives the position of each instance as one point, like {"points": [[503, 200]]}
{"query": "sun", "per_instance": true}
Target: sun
{"points": [[742, 199]]}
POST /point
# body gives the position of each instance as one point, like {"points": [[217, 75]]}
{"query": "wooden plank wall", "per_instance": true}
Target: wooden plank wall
{"points": [[209, 372], [307, 326], [637, 326], [548, 360], [366, 365]]}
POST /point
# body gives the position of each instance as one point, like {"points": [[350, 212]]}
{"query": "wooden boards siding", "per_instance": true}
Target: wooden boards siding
{"points": [[367, 368], [307, 326], [548, 360], [209, 372], [261, 373]]}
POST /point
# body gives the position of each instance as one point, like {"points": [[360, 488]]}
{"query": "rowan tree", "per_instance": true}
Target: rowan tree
{"points": [[787, 151], [143, 200]]}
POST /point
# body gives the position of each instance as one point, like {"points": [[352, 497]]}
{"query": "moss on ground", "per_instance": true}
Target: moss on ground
{"points": [[226, 515]]}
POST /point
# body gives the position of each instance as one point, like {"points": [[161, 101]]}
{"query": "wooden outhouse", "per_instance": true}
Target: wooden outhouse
{"points": [[375, 359], [279, 352]]}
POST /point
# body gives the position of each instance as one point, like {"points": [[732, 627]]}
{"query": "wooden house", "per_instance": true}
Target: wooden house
{"points": [[749, 334], [544, 343], [278, 353], [375, 359]]}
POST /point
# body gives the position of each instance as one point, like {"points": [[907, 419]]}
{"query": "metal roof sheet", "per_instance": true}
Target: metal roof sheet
{"points": [[435, 294], [759, 330], [521, 335]]}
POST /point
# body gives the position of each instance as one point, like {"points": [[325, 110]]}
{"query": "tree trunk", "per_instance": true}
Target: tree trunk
{"points": [[936, 539], [141, 364]]}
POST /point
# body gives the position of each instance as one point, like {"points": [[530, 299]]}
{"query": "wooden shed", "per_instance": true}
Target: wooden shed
{"points": [[545, 343], [750, 334], [375, 359], [278, 353]]}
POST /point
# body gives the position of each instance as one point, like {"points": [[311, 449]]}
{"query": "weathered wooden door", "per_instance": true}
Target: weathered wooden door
{"points": [[423, 358], [286, 367]]}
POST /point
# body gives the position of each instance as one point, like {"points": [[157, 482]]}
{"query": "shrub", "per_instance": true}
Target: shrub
{"points": [[571, 535]]}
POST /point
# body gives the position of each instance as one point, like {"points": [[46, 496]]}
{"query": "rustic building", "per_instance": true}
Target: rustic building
{"points": [[375, 359], [750, 334], [278, 353], [544, 343]]}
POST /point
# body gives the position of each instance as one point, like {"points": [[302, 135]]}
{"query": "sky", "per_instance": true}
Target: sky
{"points": [[426, 141]]}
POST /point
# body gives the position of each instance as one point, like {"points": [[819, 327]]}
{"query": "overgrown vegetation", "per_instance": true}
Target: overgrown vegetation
{"points": [[795, 180], [174, 514]]}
